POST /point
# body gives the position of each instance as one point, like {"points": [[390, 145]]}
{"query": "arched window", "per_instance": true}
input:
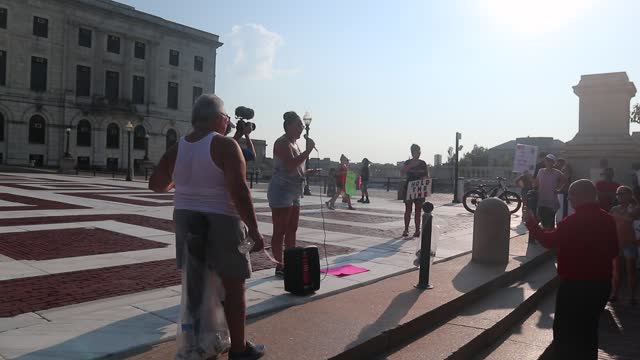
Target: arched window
{"points": [[138, 137], [1, 127], [83, 133], [36, 129], [113, 136], [172, 138]]}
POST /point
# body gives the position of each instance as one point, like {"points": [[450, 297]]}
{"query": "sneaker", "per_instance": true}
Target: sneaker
{"points": [[251, 352], [361, 201], [366, 201]]}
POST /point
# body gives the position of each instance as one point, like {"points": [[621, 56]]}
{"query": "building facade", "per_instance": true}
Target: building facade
{"points": [[79, 71]]}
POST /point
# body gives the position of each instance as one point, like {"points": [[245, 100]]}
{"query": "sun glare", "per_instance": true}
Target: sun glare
{"points": [[538, 16]]}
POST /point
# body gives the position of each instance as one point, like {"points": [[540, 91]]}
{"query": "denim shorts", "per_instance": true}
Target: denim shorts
{"points": [[283, 194], [629, 251], [213, 239]]}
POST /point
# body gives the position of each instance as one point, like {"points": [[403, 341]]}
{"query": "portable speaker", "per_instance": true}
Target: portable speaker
{"points": [[302, 270]]}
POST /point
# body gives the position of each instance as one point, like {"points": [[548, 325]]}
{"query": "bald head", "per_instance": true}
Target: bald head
{"points": [[582, 192]]}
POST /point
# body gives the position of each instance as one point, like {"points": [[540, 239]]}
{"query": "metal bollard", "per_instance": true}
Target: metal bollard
{"points": [[425, 247], [388, 184], [251, 184], [532, 205]]}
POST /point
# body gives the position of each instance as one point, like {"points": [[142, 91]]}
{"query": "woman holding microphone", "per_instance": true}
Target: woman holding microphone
{"points": [[285, 188]]}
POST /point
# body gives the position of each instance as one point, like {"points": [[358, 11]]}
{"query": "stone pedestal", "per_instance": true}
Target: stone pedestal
{"points": [[66, 165], [603, 134], [491, 232]]}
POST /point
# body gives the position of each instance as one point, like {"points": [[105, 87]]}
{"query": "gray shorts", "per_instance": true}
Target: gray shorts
{"points": [[283, 194], [213, 238]]}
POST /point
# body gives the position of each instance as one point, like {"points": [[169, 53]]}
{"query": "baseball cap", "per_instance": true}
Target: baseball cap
{"points": [[550, 157]]}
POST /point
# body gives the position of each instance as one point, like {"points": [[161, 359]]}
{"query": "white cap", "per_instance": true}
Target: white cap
{"points": [[551, 157]]}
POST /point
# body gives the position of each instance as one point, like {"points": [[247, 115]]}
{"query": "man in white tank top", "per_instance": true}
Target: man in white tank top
{"points": [[212, 201]]}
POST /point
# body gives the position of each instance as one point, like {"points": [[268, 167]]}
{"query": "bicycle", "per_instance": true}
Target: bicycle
{"points": [[472, 198]]}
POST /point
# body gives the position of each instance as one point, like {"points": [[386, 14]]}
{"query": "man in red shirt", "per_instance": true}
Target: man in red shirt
{"points": [[607, 189], [586, 243]]}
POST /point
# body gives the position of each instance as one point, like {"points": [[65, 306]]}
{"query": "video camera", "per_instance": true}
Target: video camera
{"points": [[243, 114]]}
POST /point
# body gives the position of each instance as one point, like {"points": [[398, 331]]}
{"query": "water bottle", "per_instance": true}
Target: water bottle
{"points": [[246, 244]]}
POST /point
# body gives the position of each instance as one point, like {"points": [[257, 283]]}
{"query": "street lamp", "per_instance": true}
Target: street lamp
{"points": [[66, 153], [146, 147], [307, 122], [455, 176], [129, 127]]}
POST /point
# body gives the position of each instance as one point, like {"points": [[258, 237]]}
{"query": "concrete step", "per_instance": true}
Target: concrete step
{"points": [[527, 340], [476, 327], [365, 322]]}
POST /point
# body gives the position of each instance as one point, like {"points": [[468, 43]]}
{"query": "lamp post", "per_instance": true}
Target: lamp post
{"points": [[146, 147], [129, 127], [307, 122], [66, 153], [455, 180]]}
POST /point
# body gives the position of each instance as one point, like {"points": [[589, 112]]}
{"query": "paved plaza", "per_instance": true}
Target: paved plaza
{"points": [[87, 263]]}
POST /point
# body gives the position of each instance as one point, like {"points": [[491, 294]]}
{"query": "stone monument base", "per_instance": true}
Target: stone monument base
{"points": [[66, 165]]}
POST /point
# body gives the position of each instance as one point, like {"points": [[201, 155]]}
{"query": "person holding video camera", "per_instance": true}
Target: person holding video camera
{"points": [[244, 128], [285, 188]]}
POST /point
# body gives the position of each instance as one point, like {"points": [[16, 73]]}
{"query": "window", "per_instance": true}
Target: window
{"points": [[172, 96], [36, 129], [174, 57], [113, 44], [197, 91], [112, 85], [40, 27], [139, 50], [3, 18], [138, 90], [139, 134], [172, 138], [198, 63], [3, 68], [38, 73], [83, 80], [1, 127], [83, 133], [84, 37], [113, 136]]}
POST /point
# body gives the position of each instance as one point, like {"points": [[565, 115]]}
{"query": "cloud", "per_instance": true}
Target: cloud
{"points": [[255, 49]]}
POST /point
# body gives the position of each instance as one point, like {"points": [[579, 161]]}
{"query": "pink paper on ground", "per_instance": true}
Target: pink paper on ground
{"points": [[345, 270]]}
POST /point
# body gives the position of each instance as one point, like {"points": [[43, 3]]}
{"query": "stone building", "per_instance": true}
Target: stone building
{"points": [[502, 155], [81, 70]]}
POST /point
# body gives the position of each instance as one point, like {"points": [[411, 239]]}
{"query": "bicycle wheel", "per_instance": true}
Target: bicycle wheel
{"points": [[513, 201], [471, 199]]}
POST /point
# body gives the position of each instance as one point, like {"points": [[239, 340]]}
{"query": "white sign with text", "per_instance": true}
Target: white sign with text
{"points": [[525, 158], [419, 189]]}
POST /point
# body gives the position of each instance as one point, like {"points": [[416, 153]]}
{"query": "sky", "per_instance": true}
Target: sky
{"points": [[378, 76]]}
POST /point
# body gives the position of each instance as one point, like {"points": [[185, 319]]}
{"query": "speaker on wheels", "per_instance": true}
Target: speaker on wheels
{"points": [[302, 270]]}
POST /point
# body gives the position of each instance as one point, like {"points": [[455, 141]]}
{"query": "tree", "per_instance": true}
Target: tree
{"points": [[478, 156], [635, 114]]}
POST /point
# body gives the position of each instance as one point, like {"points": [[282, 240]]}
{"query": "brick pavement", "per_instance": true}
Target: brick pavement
{"points": [[350, 216], [141, 220], [49, 291], [31, 203], [67, 243], [343, 228]]}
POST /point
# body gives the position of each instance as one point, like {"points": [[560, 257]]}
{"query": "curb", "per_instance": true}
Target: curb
{"points": [[145, 347], [430, 320]]}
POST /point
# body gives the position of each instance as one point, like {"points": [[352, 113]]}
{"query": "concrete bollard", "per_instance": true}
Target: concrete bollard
{"points": [[491, 232]]}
